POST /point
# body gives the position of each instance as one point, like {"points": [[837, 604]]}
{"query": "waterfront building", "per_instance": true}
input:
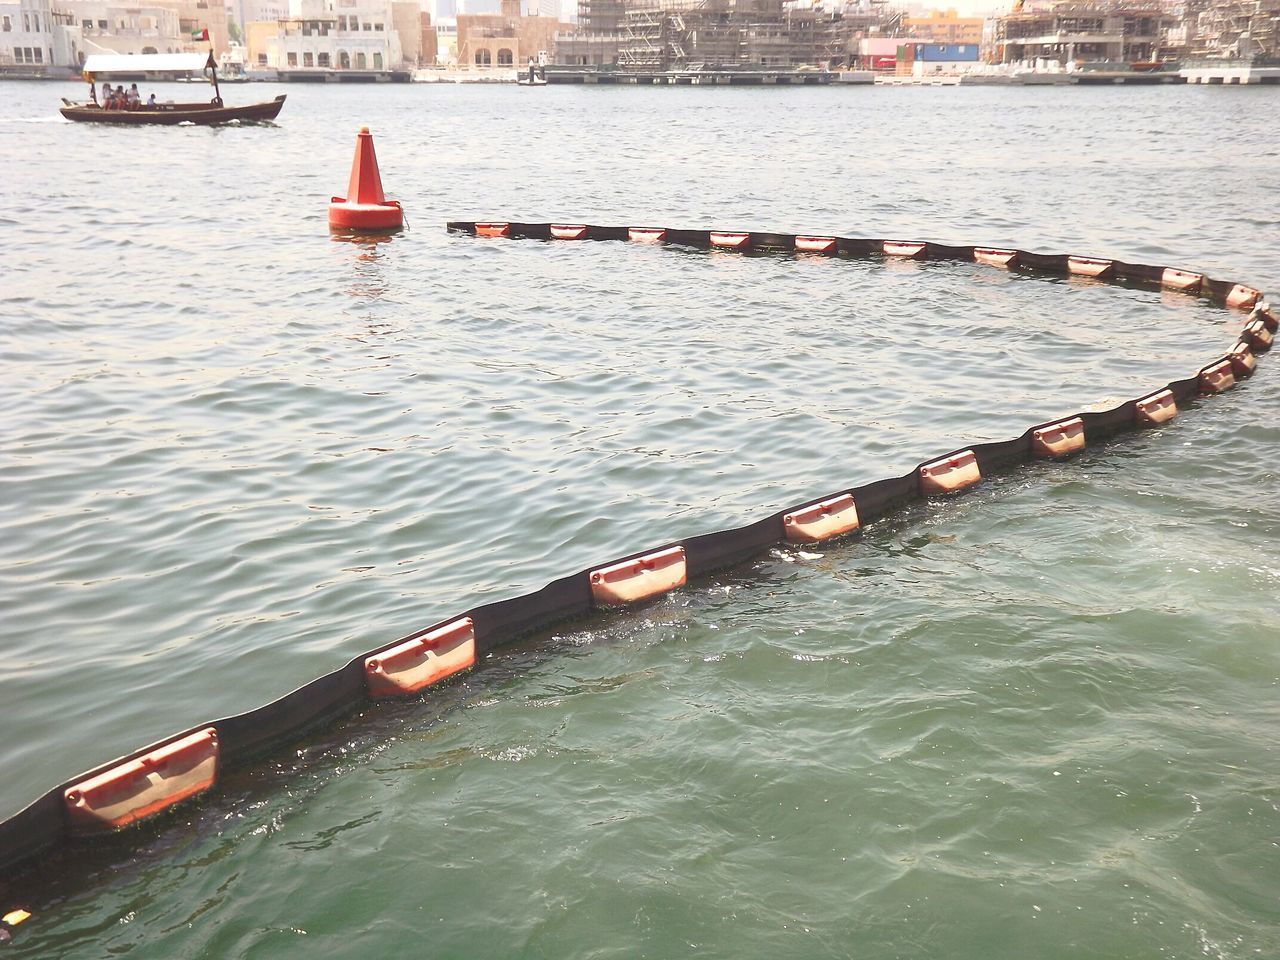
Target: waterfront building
{"points": [[647, 35], [37, 38], [340, 39], [1233, 29], [506, 39], [36, 41], [1071, 32]]}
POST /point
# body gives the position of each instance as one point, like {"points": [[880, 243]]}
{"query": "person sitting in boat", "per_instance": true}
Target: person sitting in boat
{"points": [[122, 100], [151, 102], [134, 97], [106, 95]]}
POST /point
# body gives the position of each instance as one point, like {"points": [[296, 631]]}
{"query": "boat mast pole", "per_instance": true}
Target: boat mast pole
{"points": [[213, 67]]}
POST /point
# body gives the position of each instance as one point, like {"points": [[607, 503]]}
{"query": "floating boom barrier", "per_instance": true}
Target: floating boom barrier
{"points": [[158, 777]]}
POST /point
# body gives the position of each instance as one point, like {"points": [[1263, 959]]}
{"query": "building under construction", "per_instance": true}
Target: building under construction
{"points": [[679, 35], [1120, 32], [1233, 29]]}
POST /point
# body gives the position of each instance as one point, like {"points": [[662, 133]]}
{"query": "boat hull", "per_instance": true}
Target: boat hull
{"points": [[172, 114]]}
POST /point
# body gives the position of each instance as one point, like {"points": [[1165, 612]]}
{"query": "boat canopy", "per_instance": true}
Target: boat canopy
{"points": [[146, 62]]}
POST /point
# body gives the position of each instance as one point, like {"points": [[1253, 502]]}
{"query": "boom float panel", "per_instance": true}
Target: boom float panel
{"points": [[158, 777]]}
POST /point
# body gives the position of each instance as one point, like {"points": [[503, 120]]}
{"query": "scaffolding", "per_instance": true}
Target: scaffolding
{"points": [[1236, 29]]}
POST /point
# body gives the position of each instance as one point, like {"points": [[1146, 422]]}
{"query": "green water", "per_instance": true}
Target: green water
{"points": [[1034, 721]]}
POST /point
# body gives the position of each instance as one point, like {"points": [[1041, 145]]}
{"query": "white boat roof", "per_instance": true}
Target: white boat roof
{"points": [[149, 62]]}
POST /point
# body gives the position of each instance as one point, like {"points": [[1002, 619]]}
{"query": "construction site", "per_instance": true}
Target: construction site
{"points": [[1233, 29], [693, 35], [784, 39]]}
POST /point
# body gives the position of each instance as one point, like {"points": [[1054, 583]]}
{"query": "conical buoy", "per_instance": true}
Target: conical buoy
{"points": [[364, 209]]}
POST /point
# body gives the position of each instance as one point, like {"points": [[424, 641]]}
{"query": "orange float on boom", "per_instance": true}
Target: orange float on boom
{"points": [[730, 241], [1217, 377], [364, 209], [816, 244], [993, 257], [409, 666], [636, 579], [145, 785], [1265, 313], [950, 474], [1242, 361], [1181, 280], [903, 248], [1058, 439], [822, 521], [1156, 409], [1257, 335], [646, 234], [492, 229], [567, 231], [1243, 297], [1087, 266]]}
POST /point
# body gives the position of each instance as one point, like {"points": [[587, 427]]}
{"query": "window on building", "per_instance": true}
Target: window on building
{"points": [[8, 25], [377, 61], [38, 54], [322, 60], [483, 59], [377, 27], [505, 58], [342, 23], [150, 50], [293, 59], [26, 23], [362, 62], [262, 59], [102, 24], [368, 27], [355, 23]]}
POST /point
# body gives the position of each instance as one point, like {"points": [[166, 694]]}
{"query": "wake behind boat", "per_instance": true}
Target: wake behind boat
{"points": [[164, 114]]}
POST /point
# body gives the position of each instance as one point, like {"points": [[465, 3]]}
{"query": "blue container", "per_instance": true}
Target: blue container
{"points": [[947, 52]]}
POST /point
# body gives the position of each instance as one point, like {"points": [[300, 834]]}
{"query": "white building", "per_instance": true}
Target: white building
{"points": [[332, 35], [35, 40]]}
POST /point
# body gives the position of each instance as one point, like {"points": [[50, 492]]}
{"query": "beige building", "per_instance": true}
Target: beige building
{"points": [[505, 40], [338, 36], [944, 26]]}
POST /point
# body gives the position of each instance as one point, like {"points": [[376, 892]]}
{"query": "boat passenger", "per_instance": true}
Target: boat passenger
{"points": [[106, 94], [134, 97], [122, 100], [151, 102]]}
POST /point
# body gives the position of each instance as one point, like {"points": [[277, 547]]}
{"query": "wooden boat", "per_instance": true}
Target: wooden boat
{"points": [[170, 114], [164, 114]]}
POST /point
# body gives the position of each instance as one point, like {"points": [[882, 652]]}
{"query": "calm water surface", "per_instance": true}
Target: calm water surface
{"points": [[1037, 721]]}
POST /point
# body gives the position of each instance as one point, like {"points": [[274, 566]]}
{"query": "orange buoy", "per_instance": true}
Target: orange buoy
{"points": [[1156, 409], [949, 474], [1058, 439], [409, 666], [994, 257], [637, 579], [1087, 266], [364, 209], [1181, 280], [144, 785]]}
